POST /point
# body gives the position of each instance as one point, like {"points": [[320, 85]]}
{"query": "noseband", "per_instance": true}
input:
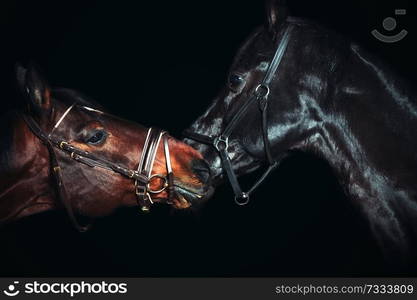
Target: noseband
{"points": [[221, 142], [142, 176]]}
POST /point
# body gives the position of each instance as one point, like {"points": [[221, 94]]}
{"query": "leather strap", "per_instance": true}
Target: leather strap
{"points": [[221, 142], [170, 172], [56, 172], [142, 176], [147, 159], [93, 160], [201, 138]]}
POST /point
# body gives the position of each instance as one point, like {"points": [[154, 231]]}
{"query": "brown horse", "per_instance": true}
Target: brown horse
{"points": [[95, 163]]}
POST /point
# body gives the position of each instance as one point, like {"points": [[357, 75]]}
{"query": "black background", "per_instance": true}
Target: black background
{"points": [[160, 63]]}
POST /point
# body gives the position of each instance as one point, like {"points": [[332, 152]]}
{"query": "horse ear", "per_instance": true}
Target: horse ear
{"points": [[276, 11], [35, 88], [20, 77]]}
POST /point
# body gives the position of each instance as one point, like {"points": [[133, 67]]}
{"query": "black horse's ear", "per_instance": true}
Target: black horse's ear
{"points": [[276, 11], [35, 88]]}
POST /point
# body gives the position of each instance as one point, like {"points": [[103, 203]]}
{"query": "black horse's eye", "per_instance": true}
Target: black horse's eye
{"points": [[97, 137], [234, 81]]}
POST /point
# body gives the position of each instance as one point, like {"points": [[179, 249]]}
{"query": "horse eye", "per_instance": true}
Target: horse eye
{"points": [[235, 80], [97, 137]]}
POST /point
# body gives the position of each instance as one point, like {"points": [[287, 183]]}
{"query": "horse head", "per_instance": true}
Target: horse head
{"points": [[329, 97], [93, 154]]}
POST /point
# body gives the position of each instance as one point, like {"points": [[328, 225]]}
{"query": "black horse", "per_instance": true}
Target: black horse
{"points": [[331, 98]]}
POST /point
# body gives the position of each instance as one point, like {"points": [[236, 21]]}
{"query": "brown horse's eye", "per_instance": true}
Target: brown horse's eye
{"points": [[96, 137], [235, 81]]}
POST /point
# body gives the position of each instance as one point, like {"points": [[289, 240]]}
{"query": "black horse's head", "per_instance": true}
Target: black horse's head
{"points": [[295, 90], [328, 97]]}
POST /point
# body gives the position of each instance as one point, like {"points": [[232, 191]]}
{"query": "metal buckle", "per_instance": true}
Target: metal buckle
{"points": [[61, 144], [164, 186], [141, 191], [221, 140], [145, 209], [242, 199]]}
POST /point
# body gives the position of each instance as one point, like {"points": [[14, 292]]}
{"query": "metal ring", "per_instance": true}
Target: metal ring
{"points": [[73, 155], [244, 197], [265, 89], [164, 186], [219, 140]]}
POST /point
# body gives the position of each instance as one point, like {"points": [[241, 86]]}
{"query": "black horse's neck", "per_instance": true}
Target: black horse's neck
{"points": [[364, 130]]}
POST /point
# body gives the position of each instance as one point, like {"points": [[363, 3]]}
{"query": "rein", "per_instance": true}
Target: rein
{"points": [[221, 142], [142, 176]]}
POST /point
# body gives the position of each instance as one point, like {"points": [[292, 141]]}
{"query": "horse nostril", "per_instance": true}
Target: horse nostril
{"points": [[201, 169]]}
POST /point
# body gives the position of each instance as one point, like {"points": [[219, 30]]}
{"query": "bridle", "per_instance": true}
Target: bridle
{"points": [[221, 142], [142, 176]]}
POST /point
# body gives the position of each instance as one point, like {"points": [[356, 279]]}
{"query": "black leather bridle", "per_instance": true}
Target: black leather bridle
{"points": [[221, 142], [142, 176]]}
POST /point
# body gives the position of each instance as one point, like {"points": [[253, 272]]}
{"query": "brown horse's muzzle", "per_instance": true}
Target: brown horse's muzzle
{"points": [[191, 176]]}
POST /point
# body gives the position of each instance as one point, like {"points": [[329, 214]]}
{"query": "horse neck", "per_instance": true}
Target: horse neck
{"points": [[368, 139], [24, 173], [366, 152]]}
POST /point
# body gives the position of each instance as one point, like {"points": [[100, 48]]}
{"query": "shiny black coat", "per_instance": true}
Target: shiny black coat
{"points": [[331, 98]]}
